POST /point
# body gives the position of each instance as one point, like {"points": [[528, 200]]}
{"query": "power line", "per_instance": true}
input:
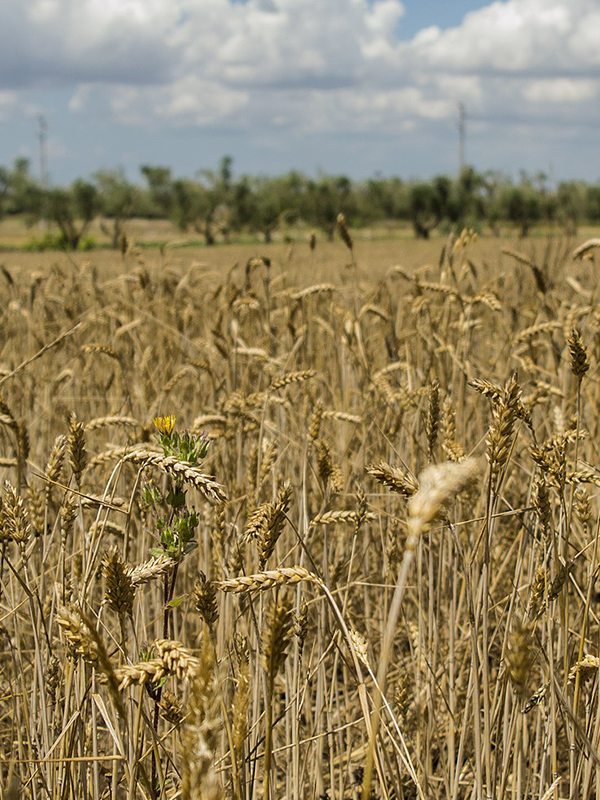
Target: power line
{"points": [[43, 140], [42, 136], [462, 126]]}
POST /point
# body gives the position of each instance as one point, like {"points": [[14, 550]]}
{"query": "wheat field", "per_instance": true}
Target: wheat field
{"points": [[321, 524]]}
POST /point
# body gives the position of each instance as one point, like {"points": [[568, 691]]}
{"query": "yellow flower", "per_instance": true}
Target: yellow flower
{"points": [[164, 425]]}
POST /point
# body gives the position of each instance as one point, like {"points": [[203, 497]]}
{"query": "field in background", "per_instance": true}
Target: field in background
{"points": [[360, 560], [150, 232], [329, 261], [15, 234]]}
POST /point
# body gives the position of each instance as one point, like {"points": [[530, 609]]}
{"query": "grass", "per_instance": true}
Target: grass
{"points": [[16, 234], [322, 524]]}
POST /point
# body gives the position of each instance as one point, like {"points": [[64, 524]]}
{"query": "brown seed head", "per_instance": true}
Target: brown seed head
{"points": [[205, 600], [76, 445], [344, 232], [314, 427], [504, 416], [394, 478], [541, 503], [403, 695], [171, 708], [280, 623], [520, 655], [14, 519], [241, 702], [535, 699], [433, 418], [120, 589], [579, 359], [273, 528], [324, 460], [583, 506]]}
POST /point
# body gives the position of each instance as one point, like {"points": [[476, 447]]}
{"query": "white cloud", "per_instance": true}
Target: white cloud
{"points": [[518, 36], [189, 100], [48, 43], [519, 62], [309, 65], [8, 102], [560, 90]]}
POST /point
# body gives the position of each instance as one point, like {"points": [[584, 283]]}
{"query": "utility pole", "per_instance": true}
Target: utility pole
{"points": [[462, 117], [42, 136], [43, 140]]}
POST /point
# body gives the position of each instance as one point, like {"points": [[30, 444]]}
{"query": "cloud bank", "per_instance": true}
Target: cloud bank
{"points": [[304, 65]]}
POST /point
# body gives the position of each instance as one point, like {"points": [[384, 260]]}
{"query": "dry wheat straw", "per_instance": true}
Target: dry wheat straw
{"points": [[180, 470], [261, 581]]}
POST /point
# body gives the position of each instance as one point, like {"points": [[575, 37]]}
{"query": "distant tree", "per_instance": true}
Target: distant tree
{"points": [[205, 204], [522, 206], [4, 190], [492, 210], [217, 203], [592, 203], [325, 199], [264, 204], [24, 195], [195, 206], [118, 202], [425, 208], [73, 210], [160, 190], [379, 199], [465, 200], [371, 201], [242, 202], [571, 201], [214, 203], [187, 203]]}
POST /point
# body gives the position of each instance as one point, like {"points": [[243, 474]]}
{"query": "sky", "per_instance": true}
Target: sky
{"points": [[354, 87]]}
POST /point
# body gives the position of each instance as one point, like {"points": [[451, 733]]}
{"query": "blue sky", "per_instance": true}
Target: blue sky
{"points": [[446, 14], [346, 86]]}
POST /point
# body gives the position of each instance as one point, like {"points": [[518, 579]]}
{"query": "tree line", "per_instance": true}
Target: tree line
{"points": [[216, 204]]}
